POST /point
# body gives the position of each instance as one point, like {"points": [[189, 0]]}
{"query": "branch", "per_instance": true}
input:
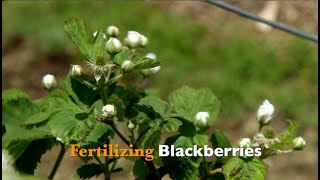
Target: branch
{"points": [[58, 161], [154, 173]]}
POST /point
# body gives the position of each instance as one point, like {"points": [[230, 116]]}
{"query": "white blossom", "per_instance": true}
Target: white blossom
{"points": [[265, 112], [49, 82], [201, 119], [109, 111]]}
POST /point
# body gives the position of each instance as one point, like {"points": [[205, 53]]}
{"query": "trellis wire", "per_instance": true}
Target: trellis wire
{"points": [[254, 17]]}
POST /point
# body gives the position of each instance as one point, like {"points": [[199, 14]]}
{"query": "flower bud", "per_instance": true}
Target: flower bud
{"points": [[131, 126], [133, 39], [151, 56], [299, 143], [144, 41], [109, 111], [127, 65], [265, 112], [112, 31], [201, 119], [155, 69], [113, 46], [245, 143], [49, 82], [154, 57], [76, 70]]}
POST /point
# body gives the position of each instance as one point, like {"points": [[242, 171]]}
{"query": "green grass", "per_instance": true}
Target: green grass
{"points": [[240, 66]]}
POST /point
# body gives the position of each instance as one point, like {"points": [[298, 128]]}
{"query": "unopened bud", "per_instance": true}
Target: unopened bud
{"points": [[76, 70], [245, 143], [112, 31], [113, 46], [127, 65], [131, 126], [201, 119], [265, 112], [109, 111], [299, 143], [49, 82], [155, 69], [144, 41], [151, 56], [133, 39]]}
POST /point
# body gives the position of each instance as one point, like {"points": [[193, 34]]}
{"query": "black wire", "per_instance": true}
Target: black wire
{"points": [[254, 17]]}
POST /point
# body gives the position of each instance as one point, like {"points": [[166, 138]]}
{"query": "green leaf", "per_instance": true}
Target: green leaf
{"points": [[99, 47], [39, 118], [243, 169], [15, 111], [187, 102], [187, 129], [100, 130], [82, 94], [140, 170], [31, 156], [88, 171], [171, 125], [219, 140], [157, 105], [200, 140], [13, 95], [286, 137], [151, 139], [77, 31], [184, 168], [122, 56], [144, 63]]}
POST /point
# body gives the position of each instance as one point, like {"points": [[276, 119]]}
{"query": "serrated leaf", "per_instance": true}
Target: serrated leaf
{"points": [[28, 161], [77, 31], [187, 102], [157, 104], [286, 137], [13, 95], [88, 171], [219, 140], [243, 169], [140, 170], [14, 112], [171, 125]]}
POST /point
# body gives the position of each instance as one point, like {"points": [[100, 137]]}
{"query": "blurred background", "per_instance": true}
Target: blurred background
{"points": [[199, 45]]}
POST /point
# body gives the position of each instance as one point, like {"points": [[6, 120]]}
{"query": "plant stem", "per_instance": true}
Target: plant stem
{"points": [[260, 127], [58, 161], [104, 170], [154, 173], [215, 171], [206, 165], [143, 133]]}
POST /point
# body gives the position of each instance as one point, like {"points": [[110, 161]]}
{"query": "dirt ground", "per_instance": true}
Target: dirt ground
{"points": [[19, 65]]}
